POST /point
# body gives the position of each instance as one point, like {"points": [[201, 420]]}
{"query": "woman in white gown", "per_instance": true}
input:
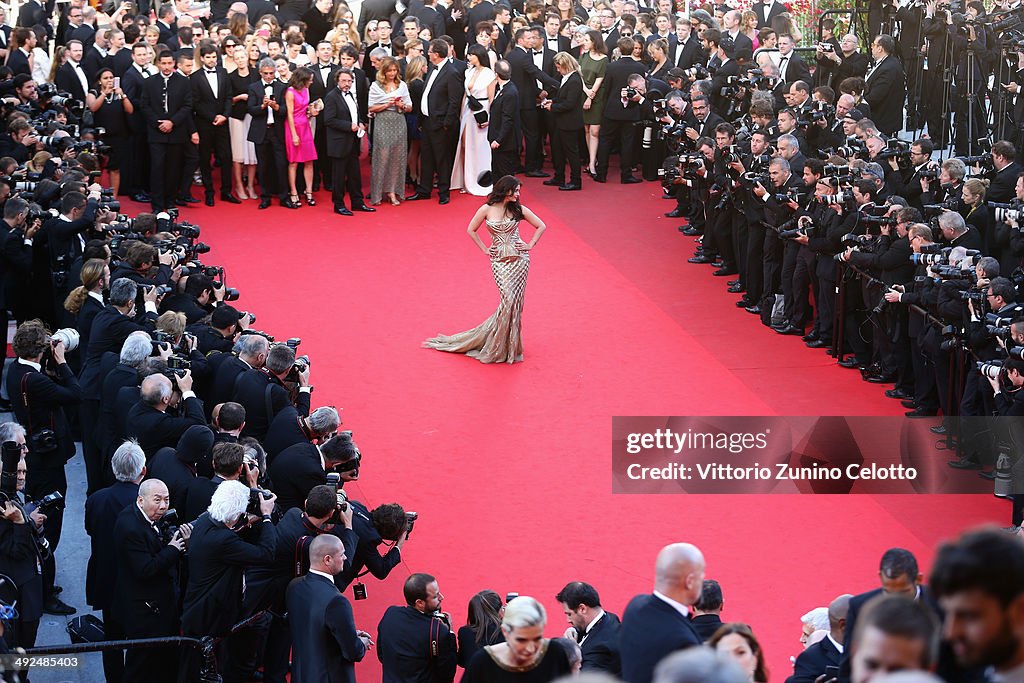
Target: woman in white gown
{"points": [[473, 155]]}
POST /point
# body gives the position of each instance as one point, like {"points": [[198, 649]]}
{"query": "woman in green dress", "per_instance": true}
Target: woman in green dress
{"points": [[593, 64]]}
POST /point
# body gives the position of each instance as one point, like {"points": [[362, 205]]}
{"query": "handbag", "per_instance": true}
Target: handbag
{"points": [[481, 116], [44, 441]]}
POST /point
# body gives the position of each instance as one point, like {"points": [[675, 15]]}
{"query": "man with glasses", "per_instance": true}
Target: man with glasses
{"points": [[885, 90], [620, 115], [266, 132], [609, 29]]}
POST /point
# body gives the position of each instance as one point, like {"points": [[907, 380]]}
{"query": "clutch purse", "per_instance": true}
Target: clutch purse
{"points": [[481, 117]]}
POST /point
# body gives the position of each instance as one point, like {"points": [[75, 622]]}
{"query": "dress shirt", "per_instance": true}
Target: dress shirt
{"points": [[350, 101], [211, 78], [430, 84], [678, 606], [268, 89], [77, 66]]}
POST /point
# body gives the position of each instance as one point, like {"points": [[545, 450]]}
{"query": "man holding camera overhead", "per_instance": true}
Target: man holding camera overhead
{"points": [[40, 384], [149, 421]]}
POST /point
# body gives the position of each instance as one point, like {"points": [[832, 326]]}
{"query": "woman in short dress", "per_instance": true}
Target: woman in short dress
{"points": [[593, 65], [298, 143], [243, 152]]}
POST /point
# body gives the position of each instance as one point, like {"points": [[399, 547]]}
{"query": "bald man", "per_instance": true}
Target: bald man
{"points": [[144, 594], [658, 624], [827, 652], [150, 422], [326, 642]]}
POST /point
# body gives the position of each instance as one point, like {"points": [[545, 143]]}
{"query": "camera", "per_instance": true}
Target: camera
{"points": [[410, 521], [334, 481], [256, 496], [1010, 211], [990, 369], [69, 336], [826, 47], [168, 526]]}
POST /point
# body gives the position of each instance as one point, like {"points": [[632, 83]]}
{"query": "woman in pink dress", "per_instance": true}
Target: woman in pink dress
{"points": [[299, 141]]}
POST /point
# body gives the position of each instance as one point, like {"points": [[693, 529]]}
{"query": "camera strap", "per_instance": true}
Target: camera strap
{"points": [[435, 635], [28, 408], [268, 404]]}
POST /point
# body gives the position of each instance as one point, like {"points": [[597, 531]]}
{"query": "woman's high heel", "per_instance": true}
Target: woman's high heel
{"points": [[309, 199], [292, 202], [395, 201]]}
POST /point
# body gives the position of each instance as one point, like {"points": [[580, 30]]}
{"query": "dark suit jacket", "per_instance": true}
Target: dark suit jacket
{"points": [[67, 80], [325, 645], [45, 410], [258, 127], [1002, 188], [295, 471], [759, 8], [615, 79], [525, 75], [342, 141], [404, 638], [885, 91], [811, 662], [567, 104], [706, 624], [93, 61], [259, 8], [601, 646], [112, 381], [145, 597], [178, 110], [796, 69], [692, 53], [250, 391], [651, 630], [366, 554], [18, 62], [120, 62], [31, 14], [284, 431], [217, 558], [83, 323], [319, 87], [504, 125], [101, 512], [205, 105], [444, 101], [155, 430]]}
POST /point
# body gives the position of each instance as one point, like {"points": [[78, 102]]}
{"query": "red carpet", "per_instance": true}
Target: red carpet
{"points": [[509, 467]]}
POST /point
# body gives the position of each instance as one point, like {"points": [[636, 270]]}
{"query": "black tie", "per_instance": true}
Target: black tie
{"points": [[210, 71]]}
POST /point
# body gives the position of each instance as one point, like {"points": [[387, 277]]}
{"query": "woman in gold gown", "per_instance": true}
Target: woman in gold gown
{"points": [[499, 338]]}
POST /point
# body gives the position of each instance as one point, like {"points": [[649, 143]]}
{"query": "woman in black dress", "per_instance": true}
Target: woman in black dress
{"points": [[483, 625], [110, 110], [526, 656]]}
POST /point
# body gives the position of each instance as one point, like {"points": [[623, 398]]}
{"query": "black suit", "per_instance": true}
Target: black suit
{"points": [[651, 630], [135, 175], [796, 69], [325, 644], [323, 82], [342, 144], [258, 391], [706, 624], [17, 61], [600, 646], [885, 91], [269, 138], [505, 129], [146, 605], [525, 75], [67, 80], [286, 429], [109, 422], [618, 122], [685, 55], [405, 647], [766, 13], [567, 117], [93, 61], [163, 100], [1002, 188], [440, 126], [811, 662], [32, 14], [177, 467], [227, 374], [295, 471], [213, 140], [19, 546], [155, 429]]}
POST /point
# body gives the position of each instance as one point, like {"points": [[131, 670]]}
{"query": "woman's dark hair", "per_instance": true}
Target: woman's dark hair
{"points": [[301, 78], [745, 632], [99, 75], [501, 190], [598, 41], [484, 615], [480, 53]]}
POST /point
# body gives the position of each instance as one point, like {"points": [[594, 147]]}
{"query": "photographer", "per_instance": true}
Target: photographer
{"points": [[16, 238], [222, 332], [415, 643], [726, 221], [290, 428], [751, 167], [131, 364], [843, 63], [949, 185], [218, 557], [22, 548], [780, 204], [147, 266], [102, 509], [229, 464], [198, 300], [912, 179], [824, 241], [1001, 299], [1009, 398], [149, 420], [39, 398], [263, 394], [146, 605], [250, 353], [388, 522], [177, 467], [300, 467]]}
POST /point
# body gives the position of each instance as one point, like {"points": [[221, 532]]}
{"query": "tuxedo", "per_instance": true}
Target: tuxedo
{"points": [[651, 629], [600, 646], [295, 471], [766, 12], [325, 646], [167, 32], [155, 429], [567, 119], [440, 109], [166, 99], [263, 396], [557, 44], [135, 175], [706, 624], [885, 91], [32, 14], [793, 69], [685, 55], [505, 129], [213, 140], [482, 11], [93, 61], [67, 80], [323, 82], [619, 121], [84, 33], [525, 75], [342, 145], [286, 429], [741, 43], [268, 137], [17, 62], [813, 661], [1004, 181], [429, 17]]}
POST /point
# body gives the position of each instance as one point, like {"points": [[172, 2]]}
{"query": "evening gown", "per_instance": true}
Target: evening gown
{"points": [[552, 663], [473, 154], [305, 150], [499, 338]]}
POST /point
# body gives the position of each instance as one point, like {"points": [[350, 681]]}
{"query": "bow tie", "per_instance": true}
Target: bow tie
{"points": [[538, 52], [210, 71], [385, 44]]}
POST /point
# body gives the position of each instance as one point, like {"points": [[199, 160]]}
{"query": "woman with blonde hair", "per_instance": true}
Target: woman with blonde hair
{"points": [[243, 152], [95, 277], [37, 162], [389, 101], [979, 214], [238, 24], [526, 655], [415, 72], [567, 110], [748, 27], [152, 35]]}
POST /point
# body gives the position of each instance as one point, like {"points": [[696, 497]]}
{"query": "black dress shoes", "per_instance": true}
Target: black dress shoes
{"points": [[897, 394], [342, 211], [725, 271], [188, 199], [264, 204], [850, 363], [56, 606], [756, 310], [570, 187], [141, 197], [790, 330], [416, 196], [675, 213], [813, 336], [689, 231], [744, 302], [921, 412], [818, 344], [537, 174], [209, 200], [230, 198], [909, 403], [880, 379], [736, 289], [363, 207], [700, 259], [600, 179], [631, 180], [964, 464], [553, 182], [443, 199]]}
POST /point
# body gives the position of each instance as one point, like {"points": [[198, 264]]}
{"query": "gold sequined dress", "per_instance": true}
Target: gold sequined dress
{"points": [[499, 338]]}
